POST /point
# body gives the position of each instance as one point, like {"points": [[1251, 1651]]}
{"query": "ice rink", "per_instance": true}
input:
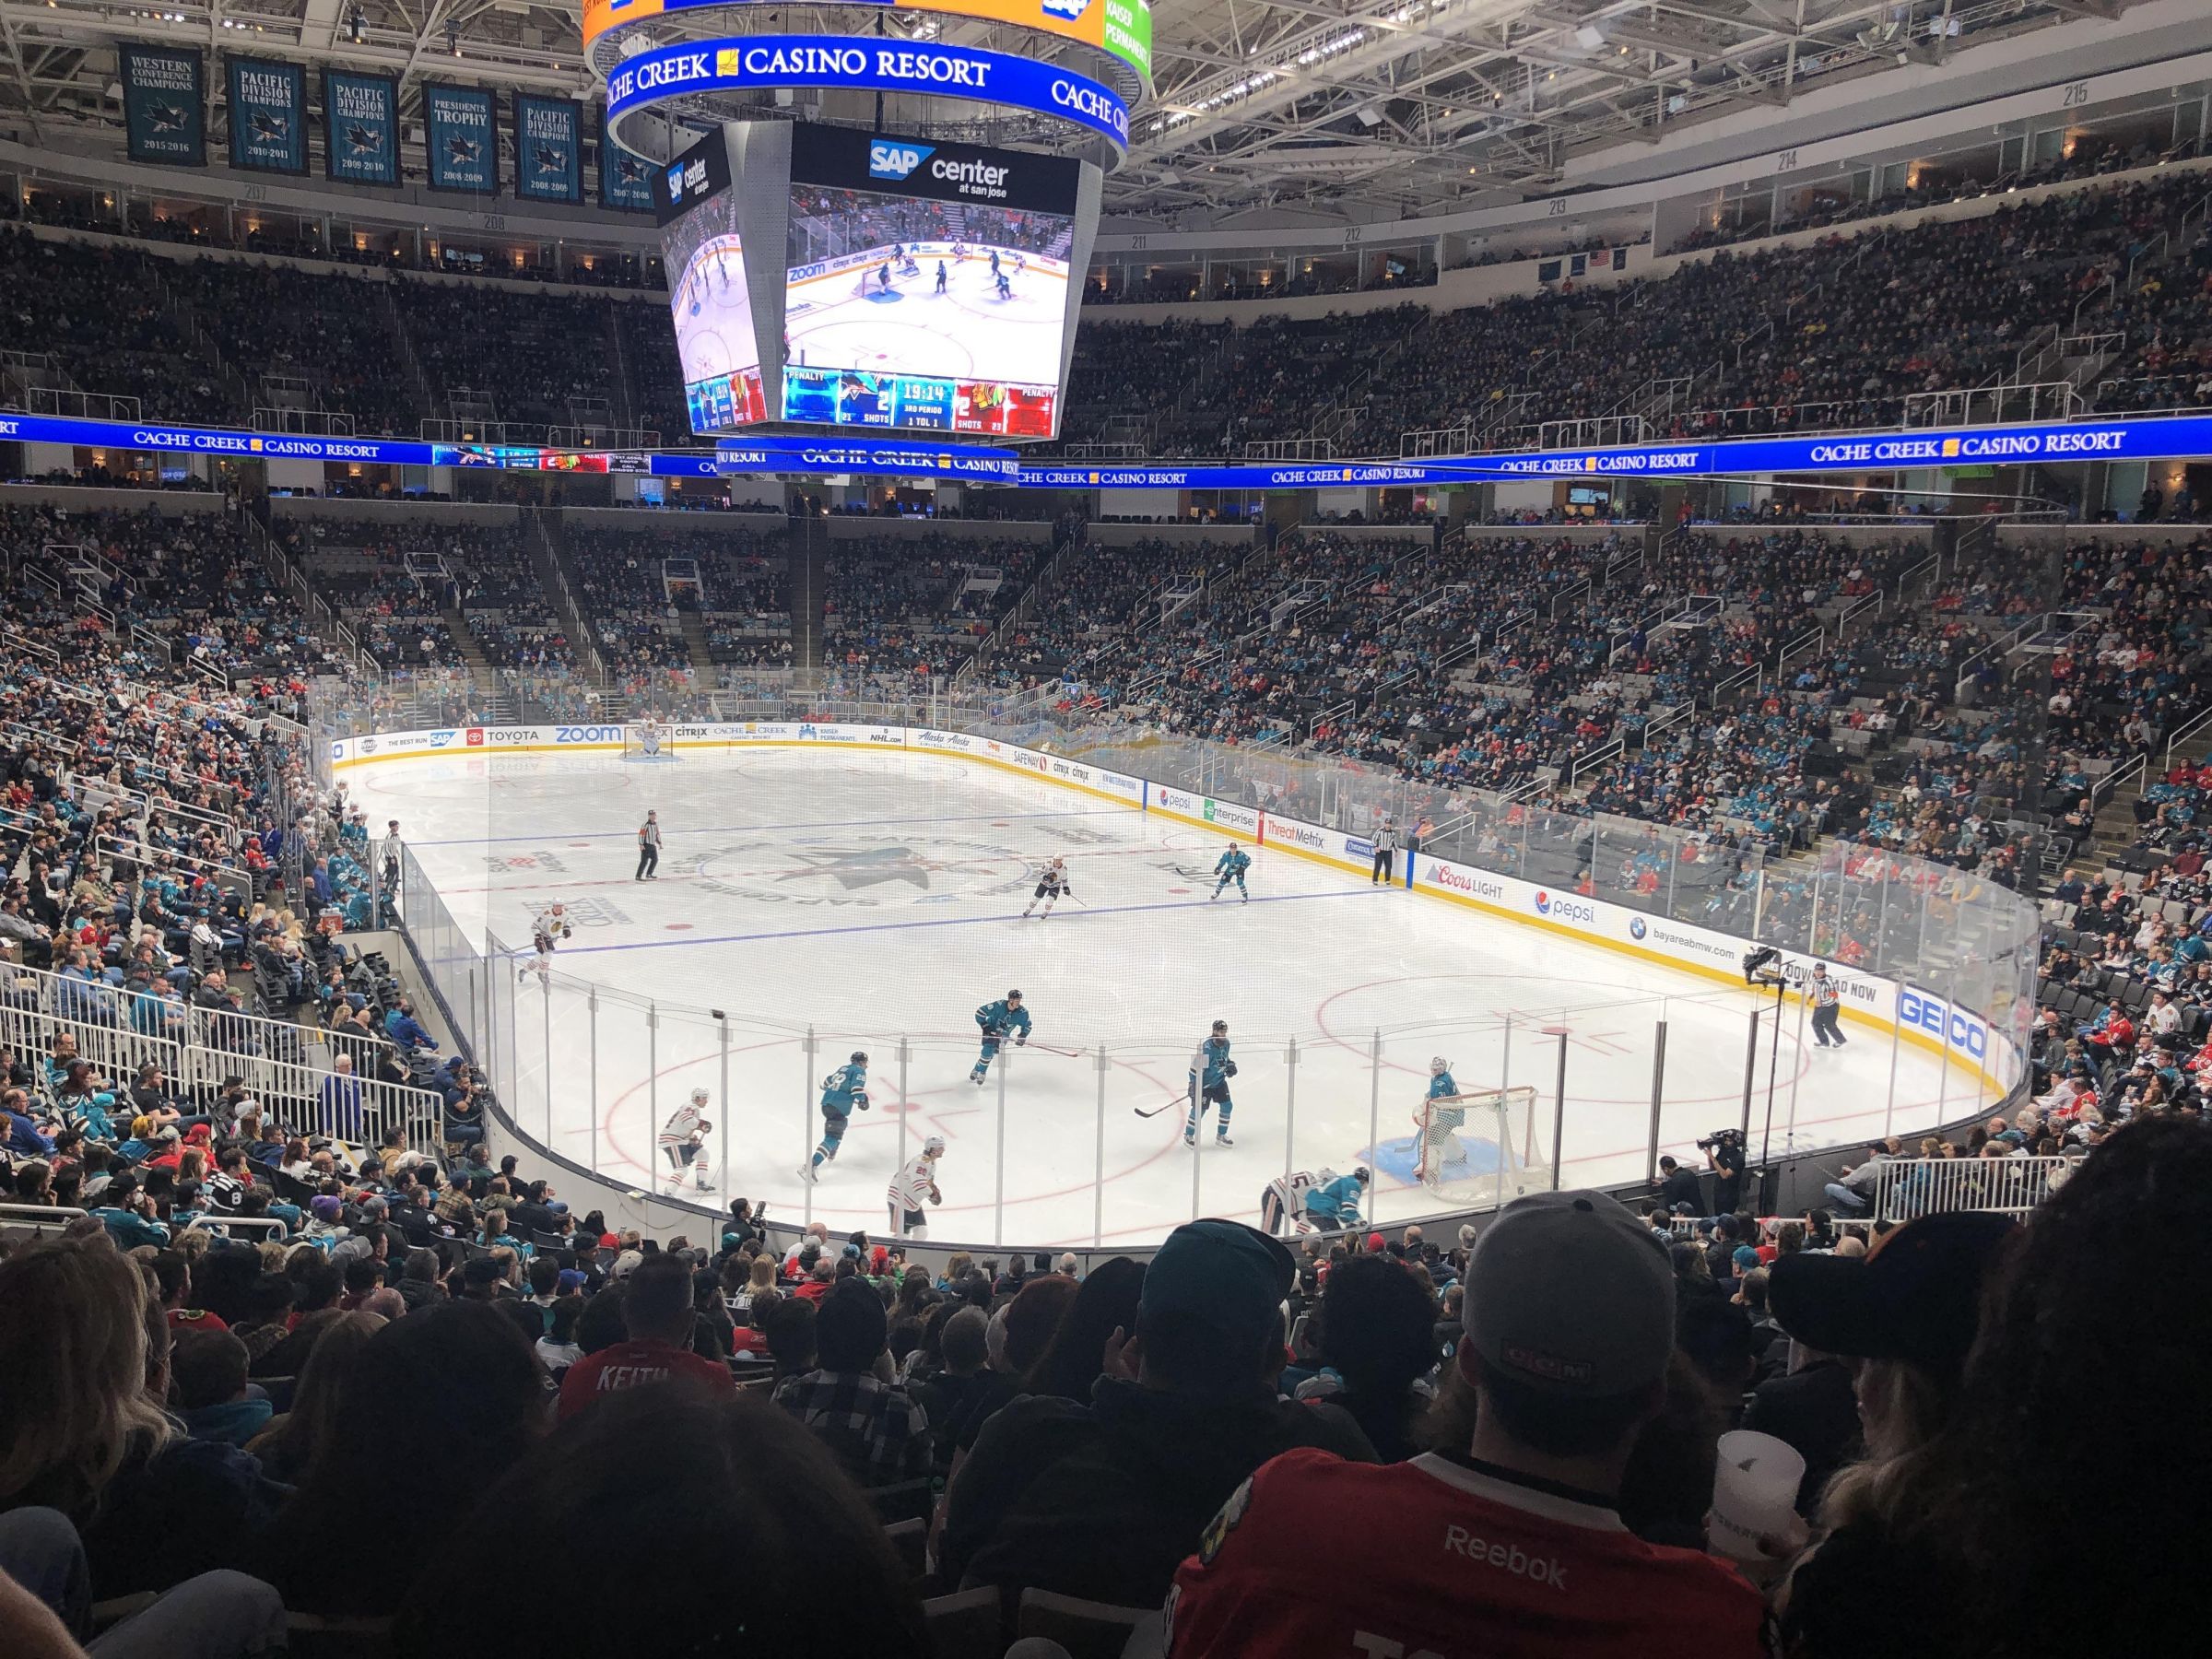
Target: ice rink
{"points": [[967, 332], [875, 897], [714, 314]]}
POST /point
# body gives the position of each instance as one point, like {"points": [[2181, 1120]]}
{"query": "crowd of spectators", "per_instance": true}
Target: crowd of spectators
{"points": [[917, 606], [1160, 1437]]}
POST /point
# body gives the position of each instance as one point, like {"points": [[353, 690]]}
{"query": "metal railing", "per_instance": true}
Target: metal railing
{"points": [[1908, 1187]]}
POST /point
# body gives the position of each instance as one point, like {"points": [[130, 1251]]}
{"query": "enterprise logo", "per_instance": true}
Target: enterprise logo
{"points": [[896, 160]]}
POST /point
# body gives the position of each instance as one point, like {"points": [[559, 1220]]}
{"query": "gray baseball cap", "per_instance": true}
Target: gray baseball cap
{"points": [[1568, 1293]]}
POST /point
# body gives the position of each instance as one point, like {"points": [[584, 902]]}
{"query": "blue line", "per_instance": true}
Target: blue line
{"points": [[824, 932], [549, 836]]}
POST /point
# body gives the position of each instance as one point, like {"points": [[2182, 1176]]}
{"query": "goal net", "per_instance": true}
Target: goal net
{"points": [[1486, 1146], [646, 740]]}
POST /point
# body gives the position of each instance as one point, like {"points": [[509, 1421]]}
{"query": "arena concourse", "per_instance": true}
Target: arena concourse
{"points": [[1607, 1060]]}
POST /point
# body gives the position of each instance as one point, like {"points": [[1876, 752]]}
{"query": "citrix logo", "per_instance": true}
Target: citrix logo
{"points": [[896, 160]]}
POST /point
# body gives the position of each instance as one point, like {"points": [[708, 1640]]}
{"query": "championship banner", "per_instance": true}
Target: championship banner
{"points": [[268, 115], [625, 181], [164, 104], [461, 138], [360, 128], [548, 149]]}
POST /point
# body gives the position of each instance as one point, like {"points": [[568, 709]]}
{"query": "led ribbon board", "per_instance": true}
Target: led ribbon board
{"points": [[1121, 29], [769, 62]]}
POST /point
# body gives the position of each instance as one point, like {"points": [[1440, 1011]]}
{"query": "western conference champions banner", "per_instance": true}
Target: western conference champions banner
{"points": [[164, 103], [360, 128], [548, 149], [625, 181], [268, 115], [461, 136]]}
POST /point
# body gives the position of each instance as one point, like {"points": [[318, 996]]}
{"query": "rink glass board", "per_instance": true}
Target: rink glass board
{"points": [[1962, 1036], [925, 284]]}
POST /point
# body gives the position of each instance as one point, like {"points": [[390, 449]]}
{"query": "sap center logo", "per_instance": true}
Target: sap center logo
{"points": [[896, 160]]}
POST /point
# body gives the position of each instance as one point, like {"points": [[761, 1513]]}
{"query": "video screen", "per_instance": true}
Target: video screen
{"points": [[709, 300], [925, 286]]}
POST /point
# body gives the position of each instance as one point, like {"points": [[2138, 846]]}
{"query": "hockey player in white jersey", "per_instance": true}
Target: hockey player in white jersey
{"points": [[915, 1182], [547, 928], [1052, 885], [684, 1141]]}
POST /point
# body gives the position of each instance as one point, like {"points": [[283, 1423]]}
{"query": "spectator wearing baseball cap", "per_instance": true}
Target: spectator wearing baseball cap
{"points": [[1102, 1500], [1517, 1547], [1906, 1314]]}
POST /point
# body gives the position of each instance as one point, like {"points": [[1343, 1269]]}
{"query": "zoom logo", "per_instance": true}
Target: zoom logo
{"points": [[593, 734], [896, 160]]}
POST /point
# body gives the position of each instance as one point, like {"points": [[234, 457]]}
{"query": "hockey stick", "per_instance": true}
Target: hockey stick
{"points": [[1181, 1099]]}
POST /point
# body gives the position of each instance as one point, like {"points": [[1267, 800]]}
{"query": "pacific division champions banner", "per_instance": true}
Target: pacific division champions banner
{"points": [[268, 115], [625, 181], [460, 131], [164, 104], [360, 128], [548, 149]]}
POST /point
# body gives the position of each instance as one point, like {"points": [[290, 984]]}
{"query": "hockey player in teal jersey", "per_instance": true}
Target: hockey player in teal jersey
{"points": [[1211, 1068], [844, 1091], [1333, 1206], [1231, 867], [997, 1022]]}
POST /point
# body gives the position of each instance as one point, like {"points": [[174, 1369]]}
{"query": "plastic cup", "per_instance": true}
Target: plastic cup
{"points": [[1755, 1483]]}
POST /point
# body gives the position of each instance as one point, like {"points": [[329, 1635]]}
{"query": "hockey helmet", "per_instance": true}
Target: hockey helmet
{"points": [[933, 1147], [699, 1097], [1363, 1175], [1012, 996], [859, 1057], [1439, 1066], [1220, 1027]]}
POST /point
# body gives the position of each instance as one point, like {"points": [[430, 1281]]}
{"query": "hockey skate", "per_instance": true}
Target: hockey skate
{"points": [[1222, 1139], [809, 1173]]}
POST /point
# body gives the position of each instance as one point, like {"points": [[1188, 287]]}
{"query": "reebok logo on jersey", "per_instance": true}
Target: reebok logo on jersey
{"points": [[1507, 1557]]}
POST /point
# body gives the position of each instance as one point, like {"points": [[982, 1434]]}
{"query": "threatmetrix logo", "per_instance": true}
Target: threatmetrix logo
{"points": [[896, 160]]}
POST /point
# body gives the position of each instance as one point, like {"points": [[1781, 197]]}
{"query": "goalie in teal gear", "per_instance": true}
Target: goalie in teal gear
{"points": [[844, 1091], [997, 1022], [1211, 1068], [1333, 1206], [1231, 867]]}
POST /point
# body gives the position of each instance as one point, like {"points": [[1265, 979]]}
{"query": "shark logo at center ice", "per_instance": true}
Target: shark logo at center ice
{"points": [[860, 871], [863, 867]]}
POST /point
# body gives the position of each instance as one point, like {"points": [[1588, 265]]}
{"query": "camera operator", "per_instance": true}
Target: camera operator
{"points": [[1724, 1152]]}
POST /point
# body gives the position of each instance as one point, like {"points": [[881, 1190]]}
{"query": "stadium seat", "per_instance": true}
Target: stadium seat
{"points": [[910, 1539], [970, 1625], [905, 1501], [1088, 1629]]}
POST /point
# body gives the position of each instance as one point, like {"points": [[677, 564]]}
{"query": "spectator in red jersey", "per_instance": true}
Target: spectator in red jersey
{"points": [[1515, 1550], [657, 1315]]}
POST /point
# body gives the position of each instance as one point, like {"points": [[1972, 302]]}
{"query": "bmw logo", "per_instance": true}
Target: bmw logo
{"points": [[1635, 928]]}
